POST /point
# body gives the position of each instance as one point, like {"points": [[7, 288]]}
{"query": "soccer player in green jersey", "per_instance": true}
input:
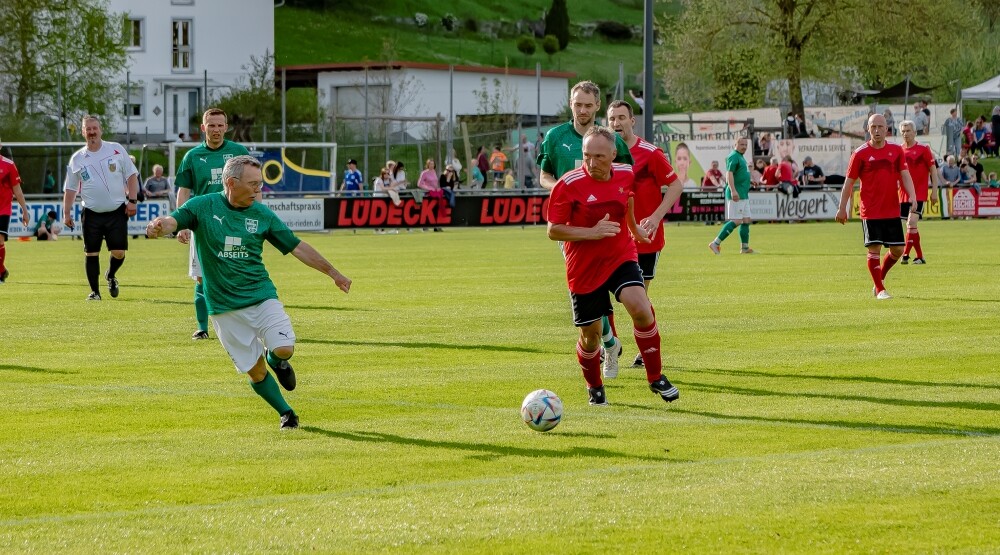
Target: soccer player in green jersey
{"points": [[737, 195], [201, 173], [562, 152], [247, 316]]}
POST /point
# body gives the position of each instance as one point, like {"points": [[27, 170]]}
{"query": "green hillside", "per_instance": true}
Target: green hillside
{"points": [[356, 31]]}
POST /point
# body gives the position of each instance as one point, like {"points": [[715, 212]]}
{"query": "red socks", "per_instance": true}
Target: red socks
{"points": [[3, 256], [611, 322], [648, 340], [916, 243], [590, 363], [887, 263], [874, 268]]}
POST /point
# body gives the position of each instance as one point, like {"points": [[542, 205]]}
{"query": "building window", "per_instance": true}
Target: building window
{"points": [[135, 33], [135, 100], [182, 51]]}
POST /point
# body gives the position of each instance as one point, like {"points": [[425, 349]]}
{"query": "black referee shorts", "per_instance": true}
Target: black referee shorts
{"points": [[888, 232], [110, 227]]}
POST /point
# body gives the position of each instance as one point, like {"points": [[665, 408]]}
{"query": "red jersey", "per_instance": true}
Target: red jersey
{"points": [[652, 171], [920, 160], [785, 172], [9, 178], [770, 176], [878, 169], [581, 201]]}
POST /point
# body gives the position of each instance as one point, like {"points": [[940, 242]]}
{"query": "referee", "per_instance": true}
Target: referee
{"points": [[108, 182]]}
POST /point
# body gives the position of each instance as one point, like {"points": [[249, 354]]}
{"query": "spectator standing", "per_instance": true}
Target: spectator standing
{"points": [[952, 130], [800, 128], [925, 108], [10, 189], [157, 186], [812, 175], [764, 144], [476, 177], [713, 177], [483, 162], [881, 168], [49, 187], [107, 181], [968, 139], [352, 179], [526, 161], [890, 122], [791, 128], [639, 101], [995, 130], [498, 165], [428, 183], [921, 119]]}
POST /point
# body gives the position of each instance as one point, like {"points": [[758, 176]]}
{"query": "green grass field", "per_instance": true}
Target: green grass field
{"points": [[812, 418]]}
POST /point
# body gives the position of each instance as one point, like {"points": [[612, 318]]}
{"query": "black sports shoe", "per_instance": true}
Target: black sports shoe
{"points": [[284, 373], [3, 276], [94, 296], [905, 260], [919, 261], [665, 389], [112, 286], [200, 334], [289, 420], [597, 396], [637, 363]]}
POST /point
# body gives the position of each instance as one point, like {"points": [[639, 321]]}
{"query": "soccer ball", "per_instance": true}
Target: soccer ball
{"points": [[541, 410]]}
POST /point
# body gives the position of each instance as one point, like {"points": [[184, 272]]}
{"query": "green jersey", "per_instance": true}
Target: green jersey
{"points": [[201, 168], [562, 150], [741, 175], [230, 242], [45, 219]]}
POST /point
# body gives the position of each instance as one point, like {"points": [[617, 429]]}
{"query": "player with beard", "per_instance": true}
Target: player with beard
{"points": [[652, 172], [586, 212], [881, 168], [561, 152]]}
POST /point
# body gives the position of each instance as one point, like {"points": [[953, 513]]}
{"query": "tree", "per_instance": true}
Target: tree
{"points": [[61, 57], [799, 39], [527, 46], [557, 22], [550, 44]]}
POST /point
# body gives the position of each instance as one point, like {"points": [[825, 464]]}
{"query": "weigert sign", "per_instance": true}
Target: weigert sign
{"points": [[809, 206]]}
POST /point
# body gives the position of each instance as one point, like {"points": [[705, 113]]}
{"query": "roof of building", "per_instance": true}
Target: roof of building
{"points": [[306, 75]]}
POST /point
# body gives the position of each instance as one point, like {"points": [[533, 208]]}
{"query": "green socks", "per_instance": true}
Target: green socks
{"points": [[606, 336], [268, 390], [272, 360], [745, 235], [726, 230], [200, 307]]}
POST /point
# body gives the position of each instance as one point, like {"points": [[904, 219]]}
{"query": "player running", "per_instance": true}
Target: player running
{"points": [[652, 171], [923, 168], [562, 151], [201, 173], [881, 167], [247, 316], [586, 211]]}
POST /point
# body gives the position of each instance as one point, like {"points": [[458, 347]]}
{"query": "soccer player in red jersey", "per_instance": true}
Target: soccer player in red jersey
{"points": [[587, 210], [10, 188], [881, 167], [652, 171], [923, 168]]}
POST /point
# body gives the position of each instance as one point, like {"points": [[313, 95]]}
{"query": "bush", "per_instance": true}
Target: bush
{"points": [[550, 44], [472, 25], [614, 31], [420, 19], [526, 45], [449, 22]]}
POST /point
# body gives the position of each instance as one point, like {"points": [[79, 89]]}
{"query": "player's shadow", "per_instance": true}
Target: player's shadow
{"points": [[823, 377], [17, 368], [481, 450], [301, 307], [847, 424], [964, 405], [425, 345], [84, 284], [950, 299]]}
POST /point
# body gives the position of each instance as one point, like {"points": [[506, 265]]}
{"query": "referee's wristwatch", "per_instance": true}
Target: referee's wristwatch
{"points": [[133, 201]]}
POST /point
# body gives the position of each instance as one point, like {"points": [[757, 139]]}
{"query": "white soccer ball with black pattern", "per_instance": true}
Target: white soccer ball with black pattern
{"points": [[542, 410]]}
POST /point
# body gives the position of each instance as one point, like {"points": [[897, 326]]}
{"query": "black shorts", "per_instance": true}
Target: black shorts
{"points": [[904, 210], [590, 307], [647, 263], [888, 232], [5, 225], [110, 227], [42, 235]]}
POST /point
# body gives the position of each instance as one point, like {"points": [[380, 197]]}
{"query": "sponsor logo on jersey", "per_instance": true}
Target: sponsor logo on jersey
{"points": [[214, 217], [112, 167], [233, 248], [568, 147], [216, 176], [227, 156], [251, 225], [591, 198], [85, 175]]}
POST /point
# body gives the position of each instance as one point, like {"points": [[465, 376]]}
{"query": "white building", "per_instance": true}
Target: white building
{"points": [[412, 89], [182, 52]]}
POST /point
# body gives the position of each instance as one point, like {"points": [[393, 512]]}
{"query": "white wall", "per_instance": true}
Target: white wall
{"points": [[225, 34]]}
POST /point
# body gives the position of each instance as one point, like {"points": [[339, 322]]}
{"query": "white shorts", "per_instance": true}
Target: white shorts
{"points": [[738, 209], [194, 267], [247, 331]]}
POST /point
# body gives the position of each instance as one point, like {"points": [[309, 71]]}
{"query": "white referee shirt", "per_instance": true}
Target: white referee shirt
{"points": [[101, 178]]}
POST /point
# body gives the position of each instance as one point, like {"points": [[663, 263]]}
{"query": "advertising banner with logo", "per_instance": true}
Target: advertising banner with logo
{"points": [[831, 155], [298, 214], [988, 203], [691, 159], [145, 213]]}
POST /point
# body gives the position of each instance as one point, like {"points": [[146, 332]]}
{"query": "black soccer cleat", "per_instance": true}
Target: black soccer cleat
{"points": [[289, 420], [94, 296], [597, 396], [665, 389], [3, 276], [112, 286], [199, 334], [284, 373], [637, 363], [919, 261], [905, 260]]}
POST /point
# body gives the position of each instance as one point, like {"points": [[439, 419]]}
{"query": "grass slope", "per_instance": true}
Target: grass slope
{"points": [[812, 418]]}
